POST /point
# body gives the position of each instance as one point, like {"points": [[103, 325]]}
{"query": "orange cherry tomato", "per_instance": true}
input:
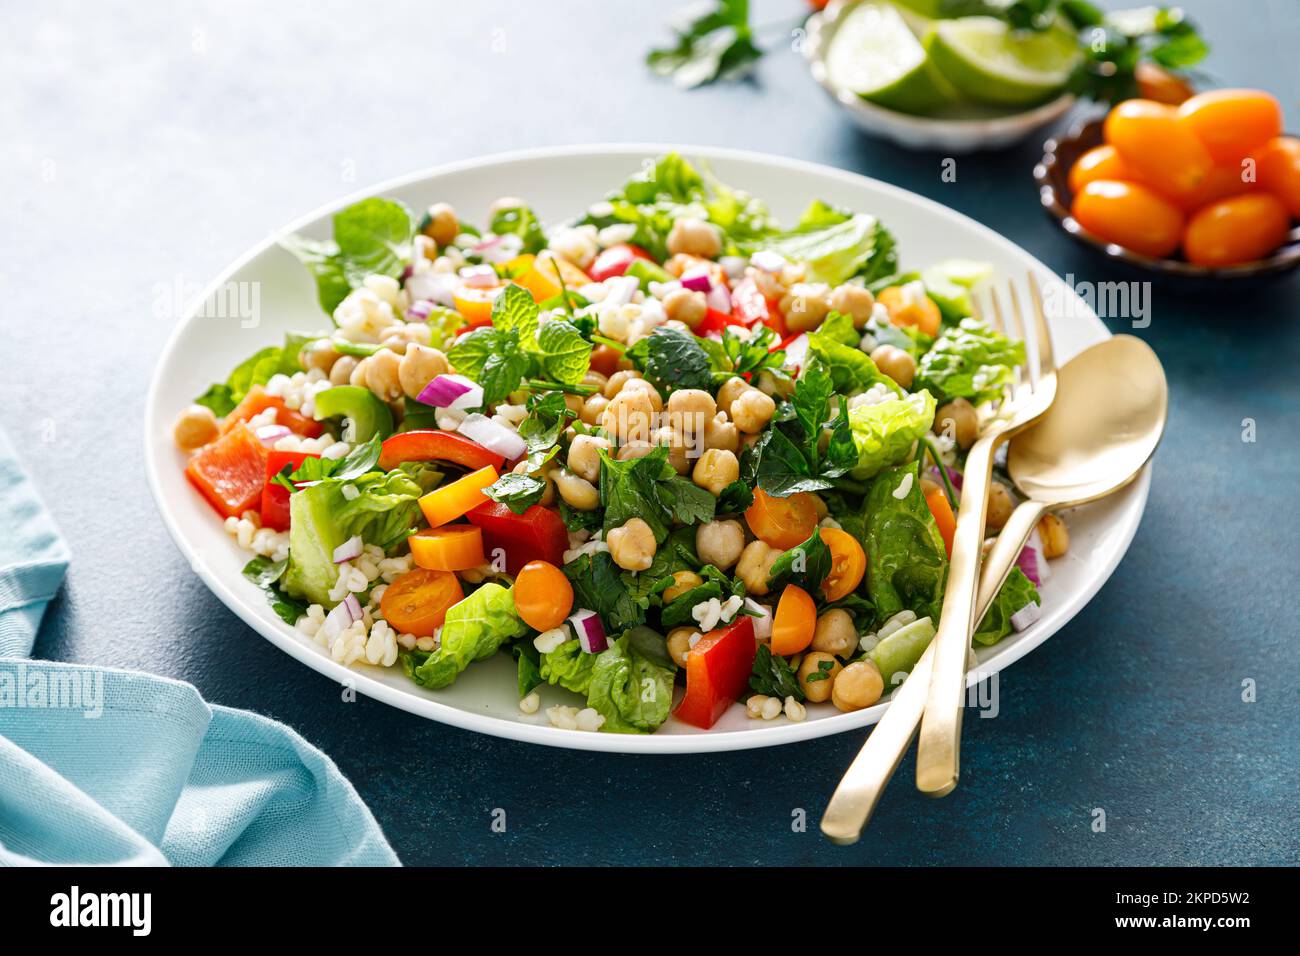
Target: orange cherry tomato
{"points": [[455, 547], [782, 522], [1277, 170], [543, 595], [1129, 215], [474, 304], [1224, 181], [937, 502], [1241, 229], [1157, 83], [848, 563], [605, 359], [904, 310], [418, 601], [795, 621], [1232, 122], [1100, 162], [461, 496], [1157, 145]]}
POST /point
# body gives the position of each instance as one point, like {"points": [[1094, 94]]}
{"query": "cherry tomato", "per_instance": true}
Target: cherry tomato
{"points": [[605, 359], [1157, 145], [453, 547], [1232, 122], [782, 522], [1100, 162], [1236, 230], [614, 261], [543, 595], [848, 563], [1277, 169], [944, 519], [1157, 83], [1129, 215], [418, 601], [474, 304], [1223, 182], [795, 621], [921, 311]]}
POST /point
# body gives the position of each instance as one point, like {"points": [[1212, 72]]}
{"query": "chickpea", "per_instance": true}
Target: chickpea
{"points": [[686, 306], [679, 644], [720, 543], [676, 449], [755, 565], [441, 224], [1054, 534], [858, 685], [818, 690], [628, 416], [592, 409], [715, 470], [965, 425], [195, 428], [595, 378], [894, 362], [320, 354], [683, 581], [382, 374], [731, 390], [341, 371], [835, 633], [419, 366], [358, 376], [548, 496], [634, 449], [694, 237], [574, 403], [854, 301], [722, 434], [614, 384], [690, 409], [805, 306], [577, 492], [1000, 506], [752, 411], [584, 456], [632, 546], [640, 384]]}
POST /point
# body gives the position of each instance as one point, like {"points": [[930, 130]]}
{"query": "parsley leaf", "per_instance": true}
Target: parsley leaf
{"points": [[772, 676], [806, 564], [518, 492], [715, 45]]}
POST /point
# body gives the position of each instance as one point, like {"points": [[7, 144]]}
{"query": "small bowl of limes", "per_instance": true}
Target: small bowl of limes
{"points": [[906, 73]]}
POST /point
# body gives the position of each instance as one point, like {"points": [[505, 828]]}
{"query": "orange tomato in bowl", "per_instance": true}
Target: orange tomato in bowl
{"points": [[1236, 230], [1156, 143], [1100, 162], [1129, 215], [1277, 170], [1232, 122]]}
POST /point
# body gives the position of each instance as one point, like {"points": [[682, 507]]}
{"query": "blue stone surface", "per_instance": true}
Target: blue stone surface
{"points": [[147, 147]]}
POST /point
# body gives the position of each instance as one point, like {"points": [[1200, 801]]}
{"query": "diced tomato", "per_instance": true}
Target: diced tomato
{"points": [[230, 471], [717, 673], [475, 305], [751, 307], [432, 445], [257, 401], [536, 535], [275, 496], [715, 321], [615, 260]]}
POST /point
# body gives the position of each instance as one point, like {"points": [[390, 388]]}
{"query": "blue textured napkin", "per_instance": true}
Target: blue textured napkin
{"points": [[106, 766]]}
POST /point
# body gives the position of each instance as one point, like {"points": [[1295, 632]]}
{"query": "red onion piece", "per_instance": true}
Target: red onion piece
{"points": [[451, 391], [719, 299], [697, 281], [437, 287], [493, 436], [268, 435], [1027, 615], [591, 633], [419, 310], [348, 550], [343, 615], [479, 277], [796, 353]]}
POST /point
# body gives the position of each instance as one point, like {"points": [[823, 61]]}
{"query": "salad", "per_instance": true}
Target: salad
{"points": [[668, 442]]}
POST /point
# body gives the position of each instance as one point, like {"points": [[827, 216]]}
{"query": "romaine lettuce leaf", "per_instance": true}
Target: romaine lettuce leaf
{"points": [[569, 666], [630, 689], [1016, 592], [971, 361], [833, 253], [475, 629], [884, 432], [906, 560]]}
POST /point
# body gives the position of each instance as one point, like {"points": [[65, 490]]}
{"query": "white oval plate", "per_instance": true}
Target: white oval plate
{"points": [[561, 183]]}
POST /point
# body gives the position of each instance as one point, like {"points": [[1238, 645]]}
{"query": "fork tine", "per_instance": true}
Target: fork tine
{"points": [[1016, 329], [1046, 360], [995, 313]]}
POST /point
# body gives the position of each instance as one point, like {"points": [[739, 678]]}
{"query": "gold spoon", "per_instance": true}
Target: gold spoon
{"points": [[1111, 403]]}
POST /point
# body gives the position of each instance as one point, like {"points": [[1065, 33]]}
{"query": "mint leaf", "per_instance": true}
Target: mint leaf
{"points": [[565, 354]]}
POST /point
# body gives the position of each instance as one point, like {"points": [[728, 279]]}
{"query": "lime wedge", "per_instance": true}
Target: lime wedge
{"points": [[988, 61], [875, 54]]}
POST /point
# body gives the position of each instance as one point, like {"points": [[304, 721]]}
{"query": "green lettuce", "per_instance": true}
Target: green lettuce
{"points": [[884, 432], [906, 560], [835, 250], [257, 369], [321, 518], [569, 666], [630, 689], [1016, 592], [475, 629], [970, 361]]}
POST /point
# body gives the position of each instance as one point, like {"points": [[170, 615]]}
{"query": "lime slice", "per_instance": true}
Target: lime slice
{"points": [[988, 61], [875, 54]]}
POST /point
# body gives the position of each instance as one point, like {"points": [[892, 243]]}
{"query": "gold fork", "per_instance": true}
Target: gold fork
{"points": [[860, 789], [938, 749]]}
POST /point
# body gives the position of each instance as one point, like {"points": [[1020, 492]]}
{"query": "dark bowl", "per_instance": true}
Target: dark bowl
{"points": [[1052, 175]]}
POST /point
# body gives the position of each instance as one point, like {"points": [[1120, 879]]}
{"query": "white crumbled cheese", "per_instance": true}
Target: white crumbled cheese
{"points": [[730, 607], [770, 262], [578, 538], [577, 244], [364, 315], [660, 290], [315, 446], [880, 392], [867, 343], [548, 641], [531, 703], [946, 445], [694, 639], [449, 419], [896, 623], [904, 487], [511, 414], [337, 450], [913, 293], [613, 235], [263, 418], [706, 614], [591, 547], [601, 209]]}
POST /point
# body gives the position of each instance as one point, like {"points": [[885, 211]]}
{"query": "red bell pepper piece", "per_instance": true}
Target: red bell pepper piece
{"points": [[615, 260], [433, 445], [536, 535], [257, 400], [230, 471], [275, 496], [717, 673], [715, 321], [750, 306]]}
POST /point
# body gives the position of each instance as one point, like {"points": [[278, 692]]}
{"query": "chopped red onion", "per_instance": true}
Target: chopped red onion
{"points": [[796, 353], [719, 299], [348, 550], [493, 436], [419, 310], [697, 281], [591, 633], [953, 475], [1027, 615], [479, 277], [408, 271], [452, 391], [486, 244], [437, 287], [1032, 562], [344, 614], [268, 435]]}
